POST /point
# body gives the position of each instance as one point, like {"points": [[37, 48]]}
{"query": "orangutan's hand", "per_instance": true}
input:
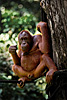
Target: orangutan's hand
{"points": [[49, 75], [41, 26], [12, 49]]}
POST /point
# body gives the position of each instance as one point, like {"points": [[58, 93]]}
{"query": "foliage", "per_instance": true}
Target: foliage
{"points": [[12, 21], [12, 24]]}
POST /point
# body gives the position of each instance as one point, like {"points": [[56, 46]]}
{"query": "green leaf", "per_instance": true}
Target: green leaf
{"points": [[1, 91]]}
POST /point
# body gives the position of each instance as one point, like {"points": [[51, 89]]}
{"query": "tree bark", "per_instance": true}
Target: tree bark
{"points": [[56, 11], [56, 15]]}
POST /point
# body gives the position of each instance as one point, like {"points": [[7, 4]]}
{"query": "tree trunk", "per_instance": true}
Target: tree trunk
{"points": [[56, 11]]}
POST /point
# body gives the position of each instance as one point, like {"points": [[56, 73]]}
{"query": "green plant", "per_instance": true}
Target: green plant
{"points": [[12, 24]]}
